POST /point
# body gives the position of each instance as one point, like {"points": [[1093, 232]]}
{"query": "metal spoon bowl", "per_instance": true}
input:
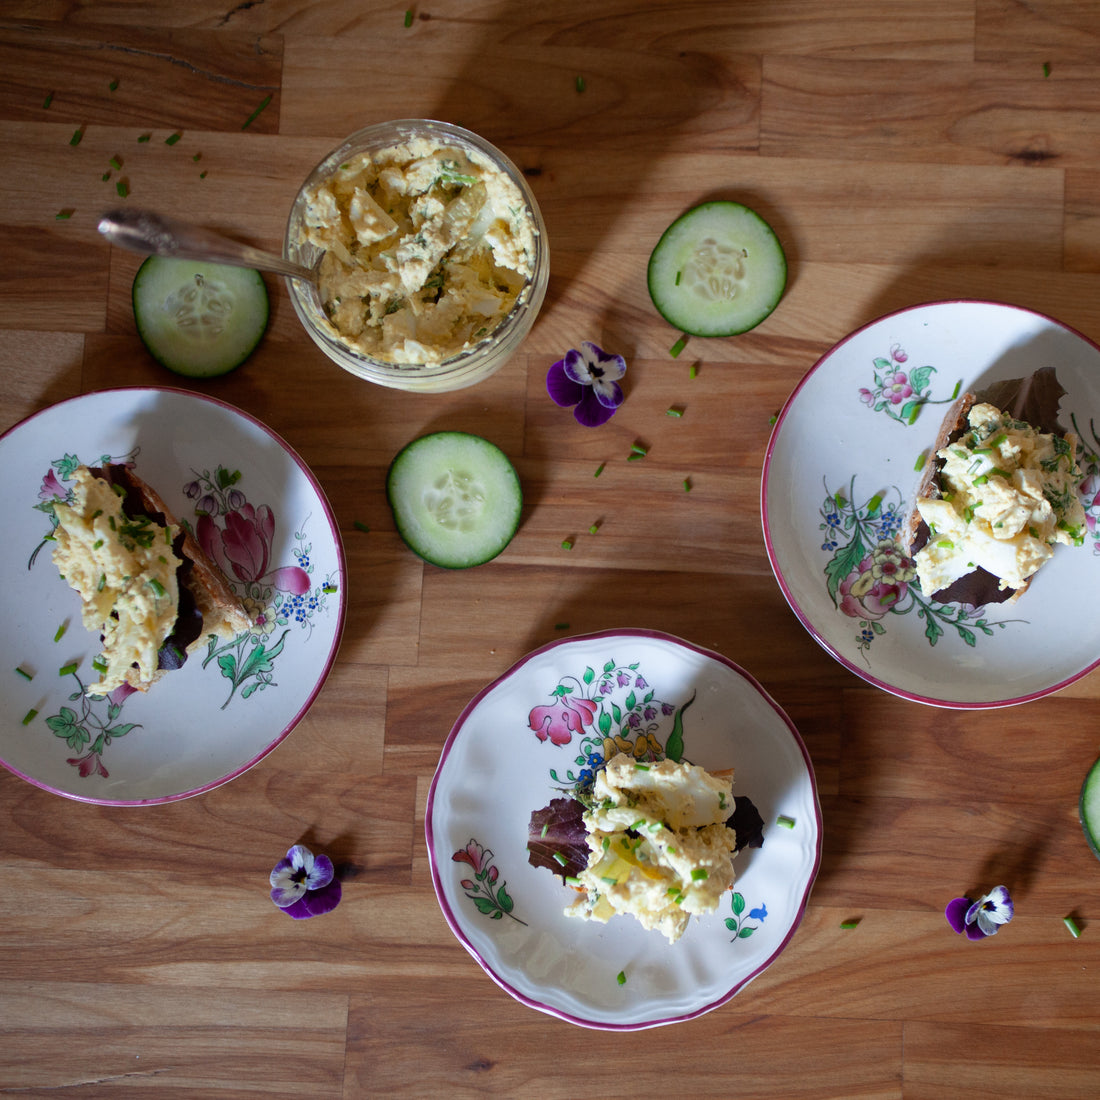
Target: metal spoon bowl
{"points": [[154, 234]]}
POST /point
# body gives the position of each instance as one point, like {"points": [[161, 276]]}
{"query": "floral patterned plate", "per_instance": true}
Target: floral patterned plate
{"points": [[537, 732], [259, 513], [843, 466]]}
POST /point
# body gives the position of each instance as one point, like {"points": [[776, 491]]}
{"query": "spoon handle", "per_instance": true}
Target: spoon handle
{"points": [[147, 232]]}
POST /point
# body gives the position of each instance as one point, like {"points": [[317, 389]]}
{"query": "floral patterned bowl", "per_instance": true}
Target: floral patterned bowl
{"points": [[841, 471], [258, 512], [538, 731]]}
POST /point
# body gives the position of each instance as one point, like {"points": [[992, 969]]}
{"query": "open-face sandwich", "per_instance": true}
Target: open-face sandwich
{"points": [[146, 586], [997, 495]]}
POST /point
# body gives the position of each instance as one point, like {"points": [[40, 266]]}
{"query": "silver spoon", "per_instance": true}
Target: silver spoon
{"points": [[150, 233]]}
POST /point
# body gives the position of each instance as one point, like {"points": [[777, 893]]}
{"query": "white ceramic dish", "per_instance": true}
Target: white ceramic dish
{"points": [[495, 771], [840, 473], [226, 708]]}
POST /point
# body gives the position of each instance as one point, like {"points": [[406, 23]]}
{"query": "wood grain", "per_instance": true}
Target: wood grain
{"points": [[921, 150]]}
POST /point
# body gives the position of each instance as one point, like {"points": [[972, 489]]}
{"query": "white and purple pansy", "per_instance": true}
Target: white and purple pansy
{"points": [[587, 380], [304, 885], [983, 917]]}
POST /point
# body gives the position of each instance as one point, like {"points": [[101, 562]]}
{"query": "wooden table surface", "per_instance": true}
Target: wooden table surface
{"points": [[906, 152]]}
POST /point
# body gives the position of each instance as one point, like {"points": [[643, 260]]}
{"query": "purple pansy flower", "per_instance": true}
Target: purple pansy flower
{"points": [[304, 885], [983, 917], [588, 380]]}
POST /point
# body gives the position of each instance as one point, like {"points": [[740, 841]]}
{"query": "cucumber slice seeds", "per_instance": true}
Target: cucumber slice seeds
{"points": [[199, 319], [718, 270], [1090, 808], [455, 498]]}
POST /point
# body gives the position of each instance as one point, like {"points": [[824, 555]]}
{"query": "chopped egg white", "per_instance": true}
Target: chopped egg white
{"points": [[125, 573], [427, 249], [659, 846], [1008, 497]]}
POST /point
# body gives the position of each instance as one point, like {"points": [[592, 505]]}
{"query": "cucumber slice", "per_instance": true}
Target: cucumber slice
{"points": [[196, 318], [717, 270], [1090, 808], [455, 497]]}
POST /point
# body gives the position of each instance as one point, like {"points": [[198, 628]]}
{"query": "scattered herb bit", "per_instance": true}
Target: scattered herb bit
{"points": [[408, 17], [113, 85], [955, 392], [772, 419], [567, 544], [359, 525], [100, 665], [202, 175], [679, 346], [78, 136], [581, 84], [264, 102], [60, 632], [873, 504], [639, 449], [24, 673], [328, 589], [785, 821], [69, 669], [197, 157], [559, 858], [106, 175], [621, 977], [698, 874], [922, 458], [47, 101], [144, 137], [171, 139], [687, 484], [679, 276], [561, 626], [694, 372], [594, 528], [674, 411], [1046, 68], [599, 469], [63, 215], [115, 163], [30, 716], [915, 413], [122, 189], [849, 923], [1072, 926]]}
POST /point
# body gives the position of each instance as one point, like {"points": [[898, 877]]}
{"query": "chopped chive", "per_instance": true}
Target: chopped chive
{"points": [[157, 587], [409, 17], [594, 528], [678, 276], [266, 100], [599, 469], [639, 448], [100, 665], [63, 215], [122, 189], [115, 163], [1072, 926], [849, 923], [97, 544], [47, 101], [679, 346], [635, 456], [922, 458], [687, 484], [30, 716], [78, 136], [572, 880], [641, 768], [113, 85], [560, 859], [581, 84], [1046, 68], [328, 589], [915, 413], [674, 411], [621, 977], [694, 372], [567, 544], [873, 504], [955, 391], [359, 525], [545, 829], [106, 175], [606, 843], [69, 669], [144, 137], [197, 157], [699, 874], [785, 821], [60, 632], [102, 582], [202, 175], [171, 139], [609, 880], [24, 673], [561, 626]]}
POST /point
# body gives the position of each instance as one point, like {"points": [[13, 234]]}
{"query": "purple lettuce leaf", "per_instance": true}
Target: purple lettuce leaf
{"points": [[557, 838]]}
